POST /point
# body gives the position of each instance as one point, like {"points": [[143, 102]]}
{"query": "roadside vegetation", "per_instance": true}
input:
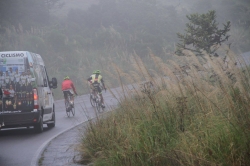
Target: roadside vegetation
{"points": [[192, 109], [197, 115]]}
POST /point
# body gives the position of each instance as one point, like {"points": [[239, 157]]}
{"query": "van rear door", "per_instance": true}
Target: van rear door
{"points": [[16, 83]]}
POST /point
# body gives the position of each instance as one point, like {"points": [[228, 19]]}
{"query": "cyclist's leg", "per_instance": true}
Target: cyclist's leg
{"points": [[71, 94], [92, 88], [99, 90], [66, 100], [65, 96], [100, 93], [102, 100]]}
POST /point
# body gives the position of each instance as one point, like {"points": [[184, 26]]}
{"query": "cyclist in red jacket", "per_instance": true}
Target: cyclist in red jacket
{"points": [[67, 87]]}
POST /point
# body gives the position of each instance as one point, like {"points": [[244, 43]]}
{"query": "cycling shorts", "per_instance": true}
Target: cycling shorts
{"points": [[67, 92], [97, 87]]}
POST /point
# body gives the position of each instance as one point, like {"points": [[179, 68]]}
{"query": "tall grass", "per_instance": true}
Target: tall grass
{"points": [[197, 113]]}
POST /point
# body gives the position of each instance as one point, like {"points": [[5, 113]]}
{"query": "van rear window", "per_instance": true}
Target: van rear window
{"points": [[7, 64], [16, 82]]}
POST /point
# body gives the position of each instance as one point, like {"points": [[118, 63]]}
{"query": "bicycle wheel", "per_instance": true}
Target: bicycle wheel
{"points": [[73, 109], [67, 105], [92, 101], [97, 103]]}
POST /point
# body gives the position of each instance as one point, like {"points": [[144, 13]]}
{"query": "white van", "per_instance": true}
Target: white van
{"points": [[26, 99]]}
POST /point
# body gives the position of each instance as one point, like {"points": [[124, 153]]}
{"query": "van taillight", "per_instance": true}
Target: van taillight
{"points": [[35, 99]]}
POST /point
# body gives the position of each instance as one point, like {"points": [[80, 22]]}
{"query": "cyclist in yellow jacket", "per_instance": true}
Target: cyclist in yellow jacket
{"points": [[96, 80]]}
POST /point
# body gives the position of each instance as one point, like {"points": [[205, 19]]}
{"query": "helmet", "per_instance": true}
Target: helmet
{"points": [[97, 72], [66, 78]]}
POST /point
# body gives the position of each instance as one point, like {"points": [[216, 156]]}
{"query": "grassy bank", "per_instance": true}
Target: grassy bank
{"points": [[197, 115]]}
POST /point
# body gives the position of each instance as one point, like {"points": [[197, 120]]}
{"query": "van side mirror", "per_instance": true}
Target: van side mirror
{"points": [[53, 83]]}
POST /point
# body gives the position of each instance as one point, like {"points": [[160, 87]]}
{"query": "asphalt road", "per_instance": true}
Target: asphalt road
{"points": [[20, 146]]}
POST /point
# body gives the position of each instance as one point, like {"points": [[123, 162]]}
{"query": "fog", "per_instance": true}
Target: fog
{"points": [[77, 36], [179, 92]]}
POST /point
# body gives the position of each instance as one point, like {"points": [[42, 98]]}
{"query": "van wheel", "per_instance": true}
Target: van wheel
{"points": [[39, 126], [50, 125]]}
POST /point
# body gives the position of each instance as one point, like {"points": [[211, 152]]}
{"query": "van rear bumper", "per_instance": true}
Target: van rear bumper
{"points": [[19, 119]]}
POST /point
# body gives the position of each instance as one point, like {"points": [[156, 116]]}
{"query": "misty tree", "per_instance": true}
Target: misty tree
{"points": [[28, 13], [202, 34], [53, 4]]}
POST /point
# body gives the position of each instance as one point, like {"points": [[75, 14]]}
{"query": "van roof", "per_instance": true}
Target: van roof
{"points": [[23, 54], [13, 54]]}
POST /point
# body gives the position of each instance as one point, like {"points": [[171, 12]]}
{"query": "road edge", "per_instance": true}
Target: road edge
{"points": [[40, 150]]}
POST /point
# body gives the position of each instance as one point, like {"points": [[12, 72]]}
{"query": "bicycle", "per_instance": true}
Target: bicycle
{"points": [[70, 106], [95, 100]]}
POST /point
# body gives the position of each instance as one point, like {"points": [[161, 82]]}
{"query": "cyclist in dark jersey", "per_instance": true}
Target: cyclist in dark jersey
{"points": [[96, 80]]}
